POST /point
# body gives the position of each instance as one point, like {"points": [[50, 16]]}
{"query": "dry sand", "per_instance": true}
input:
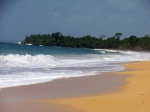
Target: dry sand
{"points": [[127, 91], [134, 96]]}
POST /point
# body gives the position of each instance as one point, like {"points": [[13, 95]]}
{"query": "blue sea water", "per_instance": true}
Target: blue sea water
{"points": [[29, 64]]}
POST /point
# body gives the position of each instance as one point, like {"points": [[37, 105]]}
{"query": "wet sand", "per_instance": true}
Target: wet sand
{"points": [[133, 97], [42, 97]]}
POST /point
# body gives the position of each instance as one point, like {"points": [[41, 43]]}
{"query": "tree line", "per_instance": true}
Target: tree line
{"points": [[115, 42]]}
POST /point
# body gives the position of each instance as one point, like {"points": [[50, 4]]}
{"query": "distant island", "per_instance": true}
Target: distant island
{"points": [[114, 42]]}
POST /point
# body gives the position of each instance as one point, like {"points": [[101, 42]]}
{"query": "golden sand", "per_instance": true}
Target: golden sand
{"points": [[133, 97]]}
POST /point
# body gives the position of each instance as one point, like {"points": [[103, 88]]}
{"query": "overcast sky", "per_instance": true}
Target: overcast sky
{"points": [[73, 17]]}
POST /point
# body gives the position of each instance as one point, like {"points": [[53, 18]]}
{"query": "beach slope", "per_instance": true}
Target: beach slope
{"points": [[133, 97]]}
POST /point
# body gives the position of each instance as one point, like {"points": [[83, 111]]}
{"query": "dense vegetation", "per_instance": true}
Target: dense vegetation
{"points": [[103, 42]]}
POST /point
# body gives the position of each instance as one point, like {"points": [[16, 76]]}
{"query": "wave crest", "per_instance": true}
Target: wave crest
{"points": [[27, 60]]}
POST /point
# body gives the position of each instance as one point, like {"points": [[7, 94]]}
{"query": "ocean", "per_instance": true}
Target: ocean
{"points": [[29, 64]]}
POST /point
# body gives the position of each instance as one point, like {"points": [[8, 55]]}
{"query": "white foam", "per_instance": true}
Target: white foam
{"points": [[15, 60], [30, 69]]}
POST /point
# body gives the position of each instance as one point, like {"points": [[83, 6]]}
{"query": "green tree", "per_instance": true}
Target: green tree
{"points": [[88, 41], [117, 35]]}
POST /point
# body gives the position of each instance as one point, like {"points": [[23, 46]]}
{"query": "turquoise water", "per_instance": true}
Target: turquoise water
{"points": [[29, 64], [6, 48]]}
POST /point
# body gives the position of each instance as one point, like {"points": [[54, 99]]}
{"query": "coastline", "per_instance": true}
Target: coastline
{"points": [[80, 94], [16, 99], [134, 96]]}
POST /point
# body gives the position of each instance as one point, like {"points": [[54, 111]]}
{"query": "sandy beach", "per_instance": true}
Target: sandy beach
{"points": [[133, 97], [126, 91]]}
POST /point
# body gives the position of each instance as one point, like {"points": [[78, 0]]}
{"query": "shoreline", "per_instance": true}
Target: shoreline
{"points": [[71, 94], [19, 98], [133, 97], [73, 84], [119, 65]]}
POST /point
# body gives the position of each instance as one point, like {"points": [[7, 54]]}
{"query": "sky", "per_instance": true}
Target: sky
{"points": [[77, 18]]}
